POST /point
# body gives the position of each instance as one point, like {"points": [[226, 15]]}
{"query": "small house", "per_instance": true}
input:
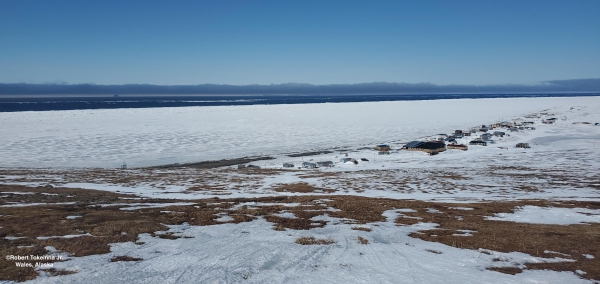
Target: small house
{"points": [[384, 153], [486, 136], [478, 142], [467, 133], [425, 146], [450, 140], [523, 145], [288, 165], [326, 164], [241, 167], [458, 147], [309, 165], [499, 133]]}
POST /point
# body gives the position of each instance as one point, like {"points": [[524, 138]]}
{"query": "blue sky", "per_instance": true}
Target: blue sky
{"points": [[317, 42]]}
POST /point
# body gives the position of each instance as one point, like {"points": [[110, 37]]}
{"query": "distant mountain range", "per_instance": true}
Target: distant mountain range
{"points": [[553, 86]]}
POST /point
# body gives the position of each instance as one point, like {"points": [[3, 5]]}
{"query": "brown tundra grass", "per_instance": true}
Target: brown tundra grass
{"points": [[125, 258], [313, 241], [361, 229], [363, 240], [109, 224]]}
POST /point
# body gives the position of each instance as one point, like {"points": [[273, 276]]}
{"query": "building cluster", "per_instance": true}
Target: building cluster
{"points": [[482, 135], [442, 142]]}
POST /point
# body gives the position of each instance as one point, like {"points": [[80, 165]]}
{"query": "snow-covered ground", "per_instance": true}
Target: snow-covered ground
{"points": [[562, 164], [254, 253], [155, 136]]}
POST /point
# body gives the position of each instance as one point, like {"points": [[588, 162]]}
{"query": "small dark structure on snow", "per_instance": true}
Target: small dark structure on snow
{"points": [[425, 146], [309, 165], [523, 145], [382, 147], [288, 165], [328, 164], [458, 147], [478, 142]]}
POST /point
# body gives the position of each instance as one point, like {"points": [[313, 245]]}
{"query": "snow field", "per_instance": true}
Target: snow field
{"points": [[254, 253], [148, 137]]}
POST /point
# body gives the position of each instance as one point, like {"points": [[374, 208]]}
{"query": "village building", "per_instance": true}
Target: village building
{"points": [[523, 145], [309, 165], [288, 165], [478, 142], [458, 147], [486, 136], [499, 133], [425, 146], [326, 164], [382, 147], [450, 140], [345, 160]]}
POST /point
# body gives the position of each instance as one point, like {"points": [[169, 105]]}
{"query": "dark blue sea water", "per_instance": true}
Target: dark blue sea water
{"points": [[70, 103]]}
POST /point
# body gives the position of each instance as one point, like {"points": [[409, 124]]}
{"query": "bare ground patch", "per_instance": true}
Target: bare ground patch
{"points": [[314, 241], [110, 224], [301, 187]]}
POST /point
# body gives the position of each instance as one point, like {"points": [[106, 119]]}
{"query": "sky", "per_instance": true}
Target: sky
{"points": [[315, 42]]}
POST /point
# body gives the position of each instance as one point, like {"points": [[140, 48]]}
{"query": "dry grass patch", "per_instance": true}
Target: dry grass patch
{"points": [[9, 270], [506, 270], [314, 241], [301, 187], [503, 236], [125, 258], [362, 240], [366, 229]]}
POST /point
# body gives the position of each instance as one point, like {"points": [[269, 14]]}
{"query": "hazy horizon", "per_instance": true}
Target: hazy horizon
{"points": [[375, 88]]}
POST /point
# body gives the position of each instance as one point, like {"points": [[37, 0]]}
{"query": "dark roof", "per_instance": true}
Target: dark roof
{"points": [[412, 144], [425, 144]]}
